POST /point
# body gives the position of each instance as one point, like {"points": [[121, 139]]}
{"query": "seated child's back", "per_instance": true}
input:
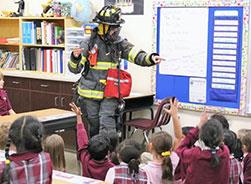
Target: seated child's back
{"points": [[30, 164]]}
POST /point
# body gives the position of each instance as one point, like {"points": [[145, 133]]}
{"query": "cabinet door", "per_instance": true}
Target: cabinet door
{"points": [[42, 100], [66, 95], [18, 92], [64, 102], [19, 99]]}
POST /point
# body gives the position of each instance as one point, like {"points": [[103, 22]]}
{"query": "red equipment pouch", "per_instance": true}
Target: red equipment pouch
{"points": [[112, 88]]}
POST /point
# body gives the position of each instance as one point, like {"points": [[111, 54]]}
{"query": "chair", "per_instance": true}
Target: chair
{"points": [[160, 118]]}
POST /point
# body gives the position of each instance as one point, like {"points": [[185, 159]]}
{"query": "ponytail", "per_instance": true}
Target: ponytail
{"points": [[215, 159], [5, 179], [167, 168], [133, 166]]}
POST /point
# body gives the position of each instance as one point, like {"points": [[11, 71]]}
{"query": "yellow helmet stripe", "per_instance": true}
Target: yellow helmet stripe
{"points": [[102, 13]]}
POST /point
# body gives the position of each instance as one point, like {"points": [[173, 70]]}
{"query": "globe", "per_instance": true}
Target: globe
{"points": [[81, 11]]}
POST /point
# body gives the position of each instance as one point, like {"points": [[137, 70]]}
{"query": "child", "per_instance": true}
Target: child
{"points": [[93, 153], [230, 139], [208, 162], [30, 164], [162, 168], [5, 105], [128, 170], [54, 145], [246, 146]]}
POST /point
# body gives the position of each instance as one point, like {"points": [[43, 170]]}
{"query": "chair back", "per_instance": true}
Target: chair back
{"points": [[161, 116]]}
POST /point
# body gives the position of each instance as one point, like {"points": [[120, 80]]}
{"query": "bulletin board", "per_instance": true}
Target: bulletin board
{"points": [[205, 44]]}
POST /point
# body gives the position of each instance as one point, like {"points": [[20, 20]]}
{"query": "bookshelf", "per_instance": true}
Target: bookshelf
{"points": [[20, 35]]}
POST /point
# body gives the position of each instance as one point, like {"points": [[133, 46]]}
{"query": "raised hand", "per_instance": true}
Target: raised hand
{"points": [[75, 109], [203, 119]]}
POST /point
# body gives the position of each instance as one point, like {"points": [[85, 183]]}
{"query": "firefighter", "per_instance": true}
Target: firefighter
{"points": [[102, 52]]}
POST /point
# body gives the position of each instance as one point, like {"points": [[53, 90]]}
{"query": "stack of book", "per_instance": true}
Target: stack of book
{"points": [[44, 60], [8, 59]]}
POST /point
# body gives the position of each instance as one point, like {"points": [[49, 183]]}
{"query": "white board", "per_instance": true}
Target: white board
{"points": [[182, 44]]}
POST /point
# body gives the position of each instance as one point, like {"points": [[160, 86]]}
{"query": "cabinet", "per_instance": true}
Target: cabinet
{"points": [[34, 40], [28, 94], [18, 92]]}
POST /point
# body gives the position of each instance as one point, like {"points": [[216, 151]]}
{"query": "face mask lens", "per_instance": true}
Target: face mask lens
{"points": [[114, 33]]}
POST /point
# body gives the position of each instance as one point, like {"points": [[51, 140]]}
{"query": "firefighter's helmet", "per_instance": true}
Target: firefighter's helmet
{"points": [[109, 15]]}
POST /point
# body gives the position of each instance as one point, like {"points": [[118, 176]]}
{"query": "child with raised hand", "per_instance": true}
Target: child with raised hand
{"points": [[161, 168], [93, 153], [30, 164], [230, 140], [54, 145], [5, 105], [128, 170], [208, 161]]}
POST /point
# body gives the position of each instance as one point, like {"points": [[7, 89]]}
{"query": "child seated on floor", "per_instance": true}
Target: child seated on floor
{"points": [[54, 145], [128, 170], [93, 153], [30, 164], [161, 169]]}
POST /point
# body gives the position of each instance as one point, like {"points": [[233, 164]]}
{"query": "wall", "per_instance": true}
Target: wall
{"points": [[138, 30]]}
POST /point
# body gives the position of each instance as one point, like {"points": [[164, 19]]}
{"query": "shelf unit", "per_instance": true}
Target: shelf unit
{"points": [[11, 27]]}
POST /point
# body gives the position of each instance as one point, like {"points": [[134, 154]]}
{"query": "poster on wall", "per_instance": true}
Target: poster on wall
{"points": [[128, 7]]}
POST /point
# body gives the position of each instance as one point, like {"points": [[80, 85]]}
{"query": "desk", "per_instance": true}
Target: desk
{"points": [[59, 177], [138, 101], [58, 119], [53, 119]]}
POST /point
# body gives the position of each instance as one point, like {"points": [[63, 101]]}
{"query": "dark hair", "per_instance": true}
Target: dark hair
{"points": [[26, 134], [211, 134], [129, 152], [246, 141], [98, 147], [114, 139], [230, 139], [222, 119], [238, 154], [162, 142], [186, 129], [234, 145]]}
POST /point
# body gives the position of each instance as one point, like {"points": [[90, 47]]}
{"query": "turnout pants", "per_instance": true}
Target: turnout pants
{"points": [[100, 115]]}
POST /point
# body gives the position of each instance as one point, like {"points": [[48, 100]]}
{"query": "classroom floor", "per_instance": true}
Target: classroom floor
{"points": [[72, 165]]}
